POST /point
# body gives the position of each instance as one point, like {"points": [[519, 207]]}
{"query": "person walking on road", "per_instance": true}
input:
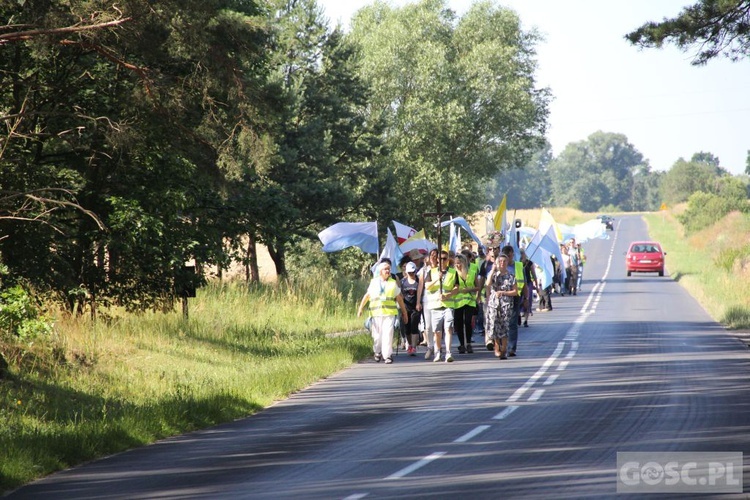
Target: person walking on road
{"points": [[441, 279], [516, 269], [383, 295], [409, 288], [501, 293], [466, 304], [424, 300]]}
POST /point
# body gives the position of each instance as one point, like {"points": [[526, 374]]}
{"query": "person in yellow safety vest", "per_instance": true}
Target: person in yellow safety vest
{"points": [[516, 269], [581, 263], [466, 302], [383, 295], [527, 297], [474, 266], [441, 306]]}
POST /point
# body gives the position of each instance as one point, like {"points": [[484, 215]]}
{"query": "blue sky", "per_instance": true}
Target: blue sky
{"points": [[666, 107]]}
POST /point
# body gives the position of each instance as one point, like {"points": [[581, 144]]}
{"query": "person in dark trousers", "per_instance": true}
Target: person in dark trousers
{"points": [[409, 287], [516, 270]]}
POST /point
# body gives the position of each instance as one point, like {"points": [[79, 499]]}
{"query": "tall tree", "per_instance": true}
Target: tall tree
{"points": [[646, 189], [688, 177], [326, 147], [458, 95], [133, 119], [713, 27], [527, 186], [596, 172]]}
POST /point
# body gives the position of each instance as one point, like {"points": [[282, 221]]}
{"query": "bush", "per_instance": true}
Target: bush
{"points": [[727, 257], [20, 316], [705, 209]]}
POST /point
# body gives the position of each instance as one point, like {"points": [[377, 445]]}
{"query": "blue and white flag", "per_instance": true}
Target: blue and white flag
{"points": [[590, 230], [541, 247], [390, 251], [461, 222], [454, 240], [363, 235]]}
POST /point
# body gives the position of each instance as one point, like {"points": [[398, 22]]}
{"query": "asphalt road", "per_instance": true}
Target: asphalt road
{"points": [[628, 365]]}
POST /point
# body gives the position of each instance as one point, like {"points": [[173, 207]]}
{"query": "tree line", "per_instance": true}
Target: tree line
{"points": [[148, 133], [144, 134], [605, 172]]}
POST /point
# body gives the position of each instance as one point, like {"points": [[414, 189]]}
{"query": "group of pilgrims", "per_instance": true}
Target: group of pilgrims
{"points": [[488, 293]]}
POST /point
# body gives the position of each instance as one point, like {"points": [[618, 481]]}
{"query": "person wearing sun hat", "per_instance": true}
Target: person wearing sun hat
{"points": [[417, 257]]}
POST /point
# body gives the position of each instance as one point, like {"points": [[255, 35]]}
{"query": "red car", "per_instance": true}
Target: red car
{"points": [[645, 257]]}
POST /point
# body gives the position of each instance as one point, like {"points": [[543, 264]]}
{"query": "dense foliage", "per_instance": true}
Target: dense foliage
{"points": [[458, 96], [144, 135]]}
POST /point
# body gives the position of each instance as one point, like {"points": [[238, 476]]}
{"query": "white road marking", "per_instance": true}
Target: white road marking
{"points": [[551, 379], [507, 411], [416, 465], [477, 430], [532, 380], [536, 395]]}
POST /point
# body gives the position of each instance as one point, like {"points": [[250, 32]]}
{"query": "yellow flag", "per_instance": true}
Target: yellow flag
{"points": [[547, 220], [500, 217], [419, 235]]}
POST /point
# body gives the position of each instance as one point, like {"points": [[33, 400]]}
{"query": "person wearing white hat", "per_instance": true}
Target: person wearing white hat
{"points": [[383, 295]]}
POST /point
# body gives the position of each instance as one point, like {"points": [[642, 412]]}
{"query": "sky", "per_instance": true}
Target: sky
{"points": [[666, 107]]}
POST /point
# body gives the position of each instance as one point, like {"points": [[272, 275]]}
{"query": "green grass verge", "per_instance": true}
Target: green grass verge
{"points": [[100, 388], [713, 265]]}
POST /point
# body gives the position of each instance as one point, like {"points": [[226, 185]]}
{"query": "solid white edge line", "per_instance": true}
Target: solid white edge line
{"points": [[477, 430], [416, 465]]}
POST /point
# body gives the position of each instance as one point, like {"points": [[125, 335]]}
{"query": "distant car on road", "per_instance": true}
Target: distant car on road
{"points": [[645, 257], [608, 221]]}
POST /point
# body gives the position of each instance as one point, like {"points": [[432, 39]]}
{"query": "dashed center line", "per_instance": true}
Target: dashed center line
{"points": [[416, 465], [536, 395], [507, 411], [477, 430]]}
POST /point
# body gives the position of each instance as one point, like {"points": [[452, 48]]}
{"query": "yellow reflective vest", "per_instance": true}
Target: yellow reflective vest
{"points": [[467, 298], [449, 281], [383, 297], [520, 278]]}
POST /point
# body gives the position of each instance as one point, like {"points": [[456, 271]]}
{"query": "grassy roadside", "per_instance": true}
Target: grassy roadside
{"points": [[96, 389], [713, 265]]}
